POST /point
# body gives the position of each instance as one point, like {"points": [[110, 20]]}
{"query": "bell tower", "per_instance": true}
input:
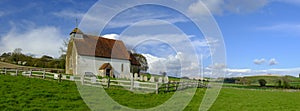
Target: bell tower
{"points": [[76, 33]]}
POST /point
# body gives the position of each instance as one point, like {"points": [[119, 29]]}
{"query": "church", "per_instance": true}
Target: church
{"points": [[98, 55]]}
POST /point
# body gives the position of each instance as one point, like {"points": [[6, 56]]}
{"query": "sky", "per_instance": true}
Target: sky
{"points": [[259, 36]]}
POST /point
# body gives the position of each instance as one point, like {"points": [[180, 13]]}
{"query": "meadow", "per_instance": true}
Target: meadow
{"points": [[23, 93]]}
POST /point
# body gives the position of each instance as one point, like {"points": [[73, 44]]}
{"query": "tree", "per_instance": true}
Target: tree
{"points": [[6, 55], [163, 73], [18, 51], [142, 60], [286, 82], [278, 82], [64, 47], [46, 58], [262, 82]]}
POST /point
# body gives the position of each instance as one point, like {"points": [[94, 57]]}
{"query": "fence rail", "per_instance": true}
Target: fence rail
{"points": [[107, 82]]}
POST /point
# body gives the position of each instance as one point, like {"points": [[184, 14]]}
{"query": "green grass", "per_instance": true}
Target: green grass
{"points": [[23, 93], [256, 100], [139, 101]]}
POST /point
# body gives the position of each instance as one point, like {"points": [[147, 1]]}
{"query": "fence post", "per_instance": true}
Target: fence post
{"points": [[59, 77], [30, 73], [167, 86], [108, 82], [175, 84], [82, 80], [156, 87], [131, 83], [44, 74]]}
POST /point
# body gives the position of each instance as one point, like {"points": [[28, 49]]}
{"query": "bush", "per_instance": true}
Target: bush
{"points": [[262, 82], [286, 82], [278, 82]]}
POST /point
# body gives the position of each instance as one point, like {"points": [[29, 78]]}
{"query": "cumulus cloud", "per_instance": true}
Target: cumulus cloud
{"points": [[262, 61], [171, 53], [238, 70], [259, 61], [111, 36], [244, 6], [219, 7], [68, 14], [286, 28], [198, 8], [38, 41], [273, 62], [251, 72], [174, 65]]}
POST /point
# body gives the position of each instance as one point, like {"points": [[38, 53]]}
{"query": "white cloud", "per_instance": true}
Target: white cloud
{"points": [[285, 28], [68, 14], [259, 61], [198, 8], [238, 70], [244, 6], [132, 16], [166, 52], [251, 72], [38, 41], [175, 65], [262, 61], [273, 62], [219, 7], [111, 36]]}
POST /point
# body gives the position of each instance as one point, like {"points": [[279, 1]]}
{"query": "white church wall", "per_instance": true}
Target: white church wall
{"points": [[92, 64]]}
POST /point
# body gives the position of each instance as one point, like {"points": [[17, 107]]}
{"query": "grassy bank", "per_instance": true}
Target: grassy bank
{"points": [[22, 93]]}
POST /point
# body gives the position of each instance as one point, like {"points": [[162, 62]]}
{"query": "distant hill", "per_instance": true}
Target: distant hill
{"points": [[14, 66], [272, 79], [8, 65]]}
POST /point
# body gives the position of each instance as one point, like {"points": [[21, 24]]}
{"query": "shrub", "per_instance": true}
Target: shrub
{"points": [[262, 82], [278, 82], [286, 82]]}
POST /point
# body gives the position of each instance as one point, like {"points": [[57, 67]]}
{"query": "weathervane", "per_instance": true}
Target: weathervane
{"points": [[76, 23]]}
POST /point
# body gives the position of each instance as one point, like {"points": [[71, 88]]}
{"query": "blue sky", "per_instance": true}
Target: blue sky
{"points": [[261, 36]]}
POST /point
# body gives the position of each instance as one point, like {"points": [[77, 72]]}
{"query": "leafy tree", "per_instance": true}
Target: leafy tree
{"points": [[142, 60], [163, 73], [286, 82], [18, 51], [29, 60], [278, 82], [262, 82]]}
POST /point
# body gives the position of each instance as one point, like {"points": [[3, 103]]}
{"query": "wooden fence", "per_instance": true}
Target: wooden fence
{"points": [[107, 82]]}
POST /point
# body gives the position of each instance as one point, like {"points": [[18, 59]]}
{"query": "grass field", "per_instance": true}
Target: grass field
{"points": [[22, 93]]}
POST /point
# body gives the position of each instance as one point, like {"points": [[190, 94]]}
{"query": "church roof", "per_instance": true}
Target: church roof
{"points": [[105, 66], [97, 46]]}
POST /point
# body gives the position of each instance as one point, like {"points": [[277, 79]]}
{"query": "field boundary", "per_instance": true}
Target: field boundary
{"points": [[94, 81]]}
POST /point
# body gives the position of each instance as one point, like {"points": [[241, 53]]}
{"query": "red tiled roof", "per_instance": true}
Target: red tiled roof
{"points": [[105, 66], [101, 47]]}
